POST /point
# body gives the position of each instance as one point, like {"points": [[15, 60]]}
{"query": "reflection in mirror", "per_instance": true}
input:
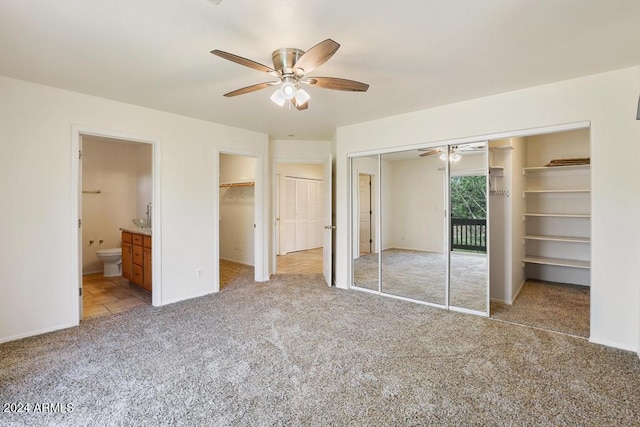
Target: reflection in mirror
{"points": [[468, 280], [413, 260], [364, 179]]}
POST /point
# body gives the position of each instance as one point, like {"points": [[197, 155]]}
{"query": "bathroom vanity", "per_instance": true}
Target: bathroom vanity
{"points": [[136, 257]]}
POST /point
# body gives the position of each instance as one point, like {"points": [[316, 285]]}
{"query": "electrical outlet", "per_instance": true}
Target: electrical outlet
{"points": [[198, 274]]}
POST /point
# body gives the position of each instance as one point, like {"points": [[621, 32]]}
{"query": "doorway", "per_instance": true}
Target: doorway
{"points": [[120, 182], [116, 188], [544, 280], [300, 207], [237, 219]]}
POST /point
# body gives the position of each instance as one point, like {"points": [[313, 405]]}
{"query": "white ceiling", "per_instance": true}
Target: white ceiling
{"points": [[415, 54]]}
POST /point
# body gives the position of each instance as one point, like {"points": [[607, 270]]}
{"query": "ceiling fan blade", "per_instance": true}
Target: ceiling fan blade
{"points": [[430, 152], [251, 88], [244, 61], [316, 56], [301, 106], [337, 84]]}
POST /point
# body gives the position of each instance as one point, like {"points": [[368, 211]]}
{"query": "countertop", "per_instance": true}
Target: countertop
{"points": [[137, 230]]}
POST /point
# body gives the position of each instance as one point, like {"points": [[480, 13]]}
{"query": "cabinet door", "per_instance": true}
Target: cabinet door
{"points": [[127, 260], [137, 255], [138, 275], [147, 269]]}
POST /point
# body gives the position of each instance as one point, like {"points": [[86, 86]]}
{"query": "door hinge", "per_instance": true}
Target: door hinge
{"points": [[79, 154], [80, 291], [79, 223], [370, 241]]}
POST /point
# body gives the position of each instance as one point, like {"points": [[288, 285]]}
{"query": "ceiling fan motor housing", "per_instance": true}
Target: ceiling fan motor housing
{"points": [[284, 59]]}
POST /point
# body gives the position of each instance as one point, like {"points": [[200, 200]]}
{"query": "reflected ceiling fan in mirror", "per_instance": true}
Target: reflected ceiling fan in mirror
{"points": [[456, 151], [290, 67]]}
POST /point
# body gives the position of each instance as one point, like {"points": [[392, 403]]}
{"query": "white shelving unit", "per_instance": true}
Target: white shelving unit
{"points": [[557, 223]]}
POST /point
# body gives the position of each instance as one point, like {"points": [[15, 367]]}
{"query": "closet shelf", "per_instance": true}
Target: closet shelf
{"points": [[557, 215], [554, 168], [560, 262], [238, 184], [564, 191], [569, 239]]}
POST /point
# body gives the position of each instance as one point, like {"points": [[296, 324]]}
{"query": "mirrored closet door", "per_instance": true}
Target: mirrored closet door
{"points": [[411, 238], [413, 258], [468, 207], [365, 172]]}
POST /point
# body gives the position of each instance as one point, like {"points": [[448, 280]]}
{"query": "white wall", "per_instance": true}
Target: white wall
{"points": [[518, 183], [500, 223], [37, 217], [298, 151], [145, 179], [414, 202], [122, 172], [300, 170], [609, 101]]}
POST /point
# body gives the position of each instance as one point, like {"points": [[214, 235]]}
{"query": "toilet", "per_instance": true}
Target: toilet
{"points": [[112, 259]]}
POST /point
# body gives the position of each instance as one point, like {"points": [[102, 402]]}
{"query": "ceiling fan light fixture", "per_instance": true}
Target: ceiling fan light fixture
{"points": [[288, 90], [302, 97], [277, 98], [453, 157]]}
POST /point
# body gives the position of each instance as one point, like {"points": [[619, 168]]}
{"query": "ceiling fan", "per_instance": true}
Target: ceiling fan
{"points": [[456, 151], [290, 67]]}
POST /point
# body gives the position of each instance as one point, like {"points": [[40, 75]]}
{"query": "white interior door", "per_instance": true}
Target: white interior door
{"points": [[327, 237]]}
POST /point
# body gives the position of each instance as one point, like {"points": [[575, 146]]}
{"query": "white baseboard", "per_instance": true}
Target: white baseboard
{"points": [[237, 261], [517, 292], [86, 273], [37, 332], [198, 295], [613, 344]]}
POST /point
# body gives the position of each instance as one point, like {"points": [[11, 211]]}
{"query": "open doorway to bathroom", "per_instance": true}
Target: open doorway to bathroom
{"points": [[237, 223], [116, 181]]}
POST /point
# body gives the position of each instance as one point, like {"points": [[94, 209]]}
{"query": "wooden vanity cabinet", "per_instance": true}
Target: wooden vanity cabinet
{"points": [[136, 259], [146, 263], [127, 256]]}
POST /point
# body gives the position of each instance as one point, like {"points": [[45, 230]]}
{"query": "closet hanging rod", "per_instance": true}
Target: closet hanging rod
{"points": [[91, 191]]}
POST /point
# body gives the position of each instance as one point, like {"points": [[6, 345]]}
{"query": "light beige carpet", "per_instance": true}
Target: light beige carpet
{"points": [[421, 276], [294, 352], [554, 306]]}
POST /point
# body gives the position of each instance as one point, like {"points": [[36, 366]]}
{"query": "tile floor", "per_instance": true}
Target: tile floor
{"points": [[103, 296], [302, 262]]}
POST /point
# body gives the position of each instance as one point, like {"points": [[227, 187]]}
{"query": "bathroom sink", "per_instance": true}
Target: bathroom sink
{"points": [[141, 222]]}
